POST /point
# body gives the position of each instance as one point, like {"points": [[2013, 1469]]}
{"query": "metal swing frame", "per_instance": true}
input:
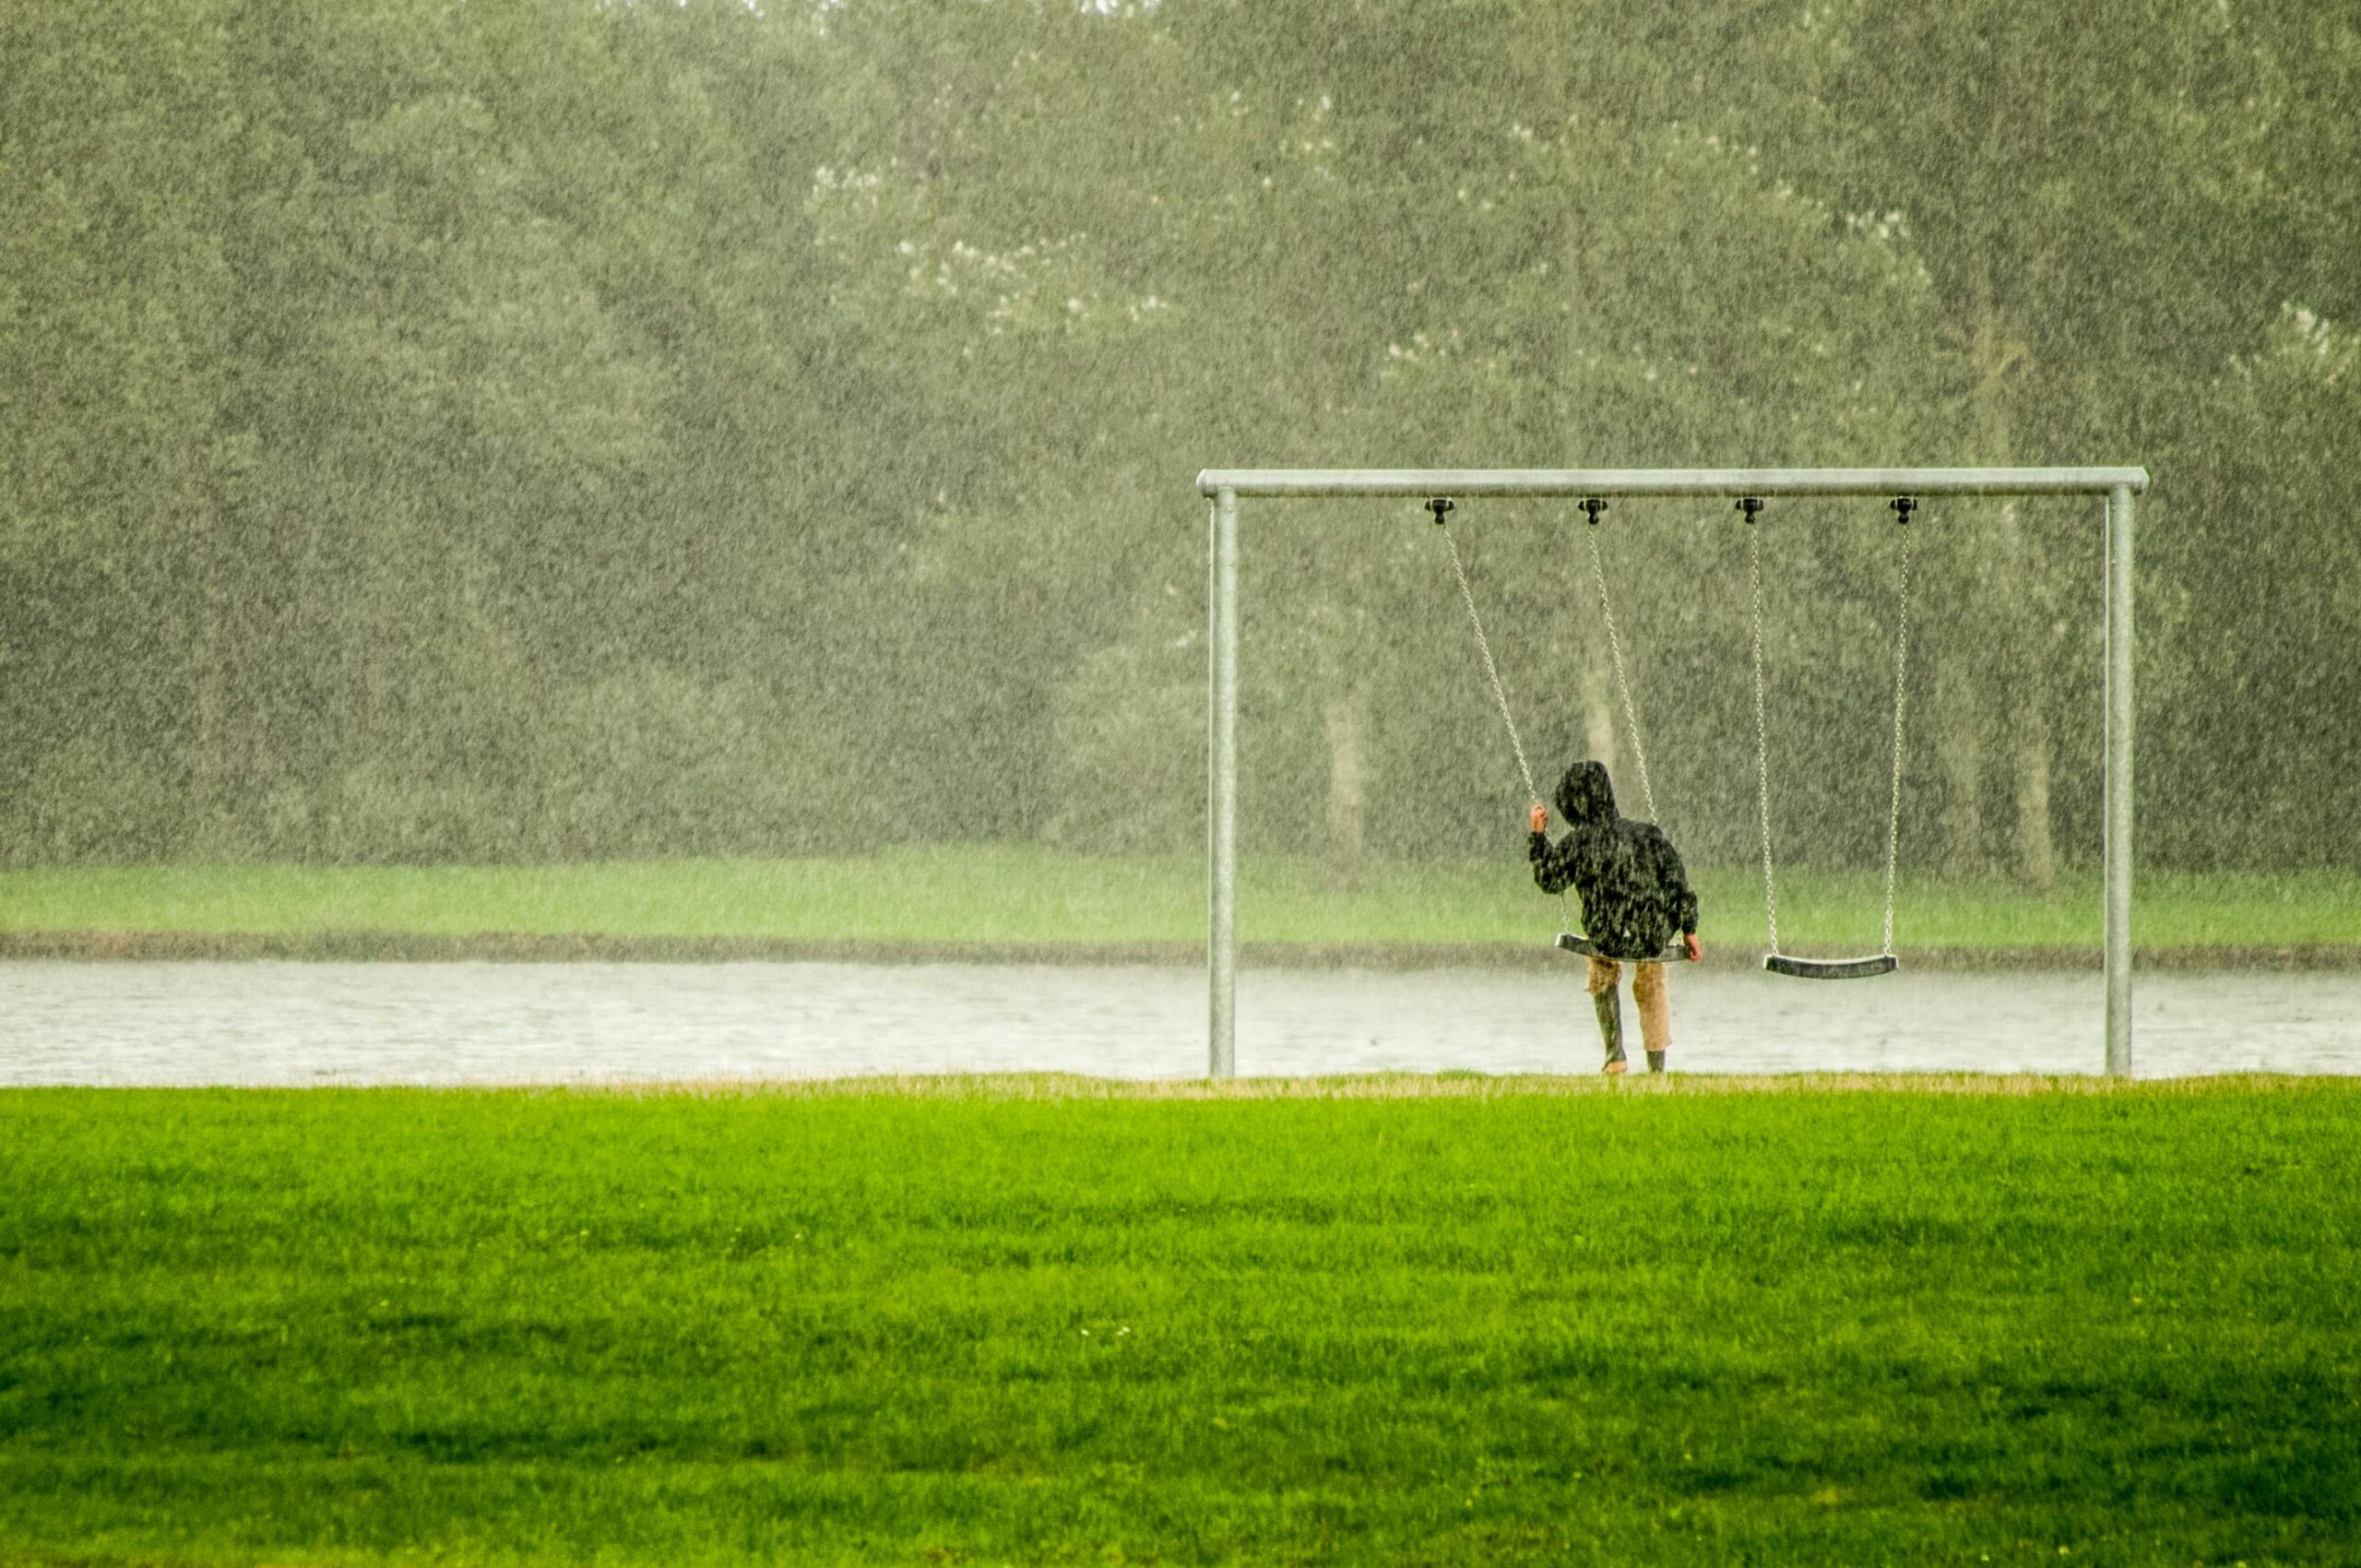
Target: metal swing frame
{"points": [[1224, 488]]}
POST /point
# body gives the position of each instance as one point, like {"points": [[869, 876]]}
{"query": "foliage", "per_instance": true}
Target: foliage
{"points": [[653, 762], [89, 800], [1131, 752], [2285, 413], [390, 382]]}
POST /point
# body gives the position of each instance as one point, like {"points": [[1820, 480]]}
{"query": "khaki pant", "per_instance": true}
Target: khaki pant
{"points": [[1647, 990]]}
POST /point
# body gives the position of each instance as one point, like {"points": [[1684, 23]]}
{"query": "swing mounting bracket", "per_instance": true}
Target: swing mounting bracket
{"points": [[1903, 506], [1749, 504], [1439, 506], [1592, 506]]}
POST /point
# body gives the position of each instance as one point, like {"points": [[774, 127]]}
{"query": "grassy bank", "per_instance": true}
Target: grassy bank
{"points": [[1413, 1321], [999, 894]]}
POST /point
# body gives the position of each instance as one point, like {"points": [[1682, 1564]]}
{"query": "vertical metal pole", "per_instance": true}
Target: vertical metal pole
{"points": [[2118, 782], [1221, 814]]}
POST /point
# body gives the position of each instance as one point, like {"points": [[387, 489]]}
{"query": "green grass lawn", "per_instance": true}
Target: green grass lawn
{"points": [[988, 893], [1433, 1321]]}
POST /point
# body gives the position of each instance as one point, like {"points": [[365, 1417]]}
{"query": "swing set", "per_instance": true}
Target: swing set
{"points": [[1883, 961], [1750, 488]]}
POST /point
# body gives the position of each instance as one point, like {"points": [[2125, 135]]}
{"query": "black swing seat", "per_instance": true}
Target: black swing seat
{"points": [[1832, 968], [1575, 942]]}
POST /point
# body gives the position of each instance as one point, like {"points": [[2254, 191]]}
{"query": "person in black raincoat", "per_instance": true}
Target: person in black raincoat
{"points": [[1635, 897]]}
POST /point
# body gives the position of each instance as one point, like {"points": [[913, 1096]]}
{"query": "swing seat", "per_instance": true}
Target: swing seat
{"points": [[1575, 942], [1832, 968]]}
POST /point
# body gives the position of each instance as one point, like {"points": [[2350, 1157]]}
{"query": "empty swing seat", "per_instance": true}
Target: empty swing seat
{"points": [[1575, 942], [1832, 968], [1776, 962]]}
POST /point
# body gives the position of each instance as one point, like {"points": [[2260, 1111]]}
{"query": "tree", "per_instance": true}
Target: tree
{"points": [[121, 482], [2110, 199]]}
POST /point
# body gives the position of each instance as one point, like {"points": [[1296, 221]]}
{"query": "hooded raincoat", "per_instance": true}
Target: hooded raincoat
{"points": [[1634, 890]]}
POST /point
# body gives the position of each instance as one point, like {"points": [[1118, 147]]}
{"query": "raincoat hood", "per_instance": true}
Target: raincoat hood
{"points": [[1634, 890], [1586, 799]]}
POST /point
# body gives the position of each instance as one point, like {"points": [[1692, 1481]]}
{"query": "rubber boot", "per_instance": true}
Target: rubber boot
{"points": [[1610, 1004], [1655, 1060]]}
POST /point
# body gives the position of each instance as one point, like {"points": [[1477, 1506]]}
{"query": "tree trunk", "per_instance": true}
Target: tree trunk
{"points": [[2035, 865], [211, 767], [2024, 635], [1598, 718], [2013, 589], [1959, 758], [1347, 715]]}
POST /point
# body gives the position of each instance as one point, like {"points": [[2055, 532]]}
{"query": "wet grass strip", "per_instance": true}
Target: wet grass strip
{"points": [[1410, 1321], [984, 894]]}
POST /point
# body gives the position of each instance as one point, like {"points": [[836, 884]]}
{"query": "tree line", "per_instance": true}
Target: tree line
{"points": [[435, 432]]}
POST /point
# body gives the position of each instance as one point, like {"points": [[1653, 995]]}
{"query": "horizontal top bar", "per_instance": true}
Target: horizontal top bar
{"points": [[1670, 482]]}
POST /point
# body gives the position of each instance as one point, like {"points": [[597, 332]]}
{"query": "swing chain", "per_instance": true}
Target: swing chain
{"points": [[1594, 506], [1439, 506], [1750, 505], [1903, 506], [1484, 645]]}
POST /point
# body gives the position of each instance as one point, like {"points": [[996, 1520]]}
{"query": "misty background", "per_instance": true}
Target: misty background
{"points": [[438, 432]]}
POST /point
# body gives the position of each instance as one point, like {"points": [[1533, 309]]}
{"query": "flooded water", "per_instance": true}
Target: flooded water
{"points": [[313, 1023]]}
